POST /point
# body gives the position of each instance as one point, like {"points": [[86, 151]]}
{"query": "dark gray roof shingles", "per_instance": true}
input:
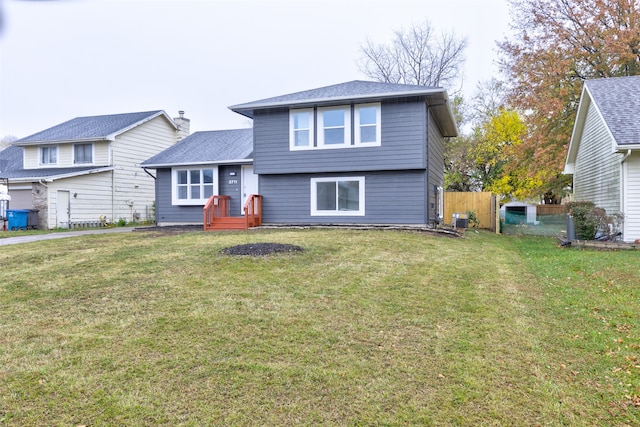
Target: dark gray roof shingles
{"points": [[356, 88], [207, 147], [618, 100], [90, 127]]}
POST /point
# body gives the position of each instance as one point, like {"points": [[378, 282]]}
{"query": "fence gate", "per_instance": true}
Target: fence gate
{"points": [[483, 204]]}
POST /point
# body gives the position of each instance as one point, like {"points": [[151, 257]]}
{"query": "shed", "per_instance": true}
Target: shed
{"points": [[518, 213]]}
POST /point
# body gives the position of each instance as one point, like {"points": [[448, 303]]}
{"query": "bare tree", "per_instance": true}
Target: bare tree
{"points": [[6, 140], [415, 56]]}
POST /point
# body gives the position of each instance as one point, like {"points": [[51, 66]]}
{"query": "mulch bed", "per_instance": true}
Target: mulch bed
{"points": [[261, 249]]}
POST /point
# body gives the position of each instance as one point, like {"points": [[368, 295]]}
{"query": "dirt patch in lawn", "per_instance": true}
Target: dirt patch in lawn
{"points": [[261, 249]]}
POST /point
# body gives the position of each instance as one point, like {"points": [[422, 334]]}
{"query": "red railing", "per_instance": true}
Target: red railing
{"points": [[253, 211], [217, 213], [216, 207]]}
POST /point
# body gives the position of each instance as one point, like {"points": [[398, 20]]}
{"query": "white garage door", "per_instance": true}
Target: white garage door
{"points": [[20, 199]]}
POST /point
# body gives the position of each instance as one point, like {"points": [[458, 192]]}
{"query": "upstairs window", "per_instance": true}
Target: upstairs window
{"points": [[193, 186], [367, 124], [301, 129], [334, 127], [48, 155], [83, 153]]}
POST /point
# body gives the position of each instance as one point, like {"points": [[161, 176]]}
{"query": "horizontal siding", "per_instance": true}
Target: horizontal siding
{"points": [[65, 156], [166, 213], [92, 197], [390, 198], [134, 189], [403, 135], [632, 208], [597, 169]]}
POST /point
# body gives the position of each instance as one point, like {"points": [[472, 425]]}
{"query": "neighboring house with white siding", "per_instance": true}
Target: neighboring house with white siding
{"points": [[604, 152], [89, 167]]}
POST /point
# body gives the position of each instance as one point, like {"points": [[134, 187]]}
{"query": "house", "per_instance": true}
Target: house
{"points": [[604, 152], [352, 153], [88, 168], [201, 165]]}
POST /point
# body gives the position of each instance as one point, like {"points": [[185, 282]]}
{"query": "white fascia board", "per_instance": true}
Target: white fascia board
{"points": [[199, 163], [51, 178], [62, 141]]}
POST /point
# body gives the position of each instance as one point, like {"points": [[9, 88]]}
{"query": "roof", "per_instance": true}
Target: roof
{"points": [[617, 100], [360, 91], [92, 128], [209, 147], [11, 167]]}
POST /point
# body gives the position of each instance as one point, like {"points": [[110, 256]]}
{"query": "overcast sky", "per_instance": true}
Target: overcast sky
{"points": [[64, 59]]}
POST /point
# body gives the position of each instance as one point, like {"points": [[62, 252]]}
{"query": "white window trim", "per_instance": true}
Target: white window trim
{"points": [[356, 119], [93, 154], [361, 199], [49, 147], [191, 202], [292, 145], [347, 127]]}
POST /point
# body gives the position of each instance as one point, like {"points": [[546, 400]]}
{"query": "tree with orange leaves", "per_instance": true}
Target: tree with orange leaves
{"points": [[555, 46]]}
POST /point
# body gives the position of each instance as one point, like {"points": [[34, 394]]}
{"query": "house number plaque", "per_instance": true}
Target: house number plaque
{"points": [[233, 181]]}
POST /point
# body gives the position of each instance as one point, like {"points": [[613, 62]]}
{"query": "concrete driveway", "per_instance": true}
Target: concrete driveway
{"points": [[49, 236]]}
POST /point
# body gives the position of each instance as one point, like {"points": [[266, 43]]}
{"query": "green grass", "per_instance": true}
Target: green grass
{"points": [[362, 328]]}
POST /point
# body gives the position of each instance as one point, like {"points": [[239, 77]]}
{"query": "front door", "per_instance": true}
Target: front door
{"points": [[249, 184], [62, 209]]}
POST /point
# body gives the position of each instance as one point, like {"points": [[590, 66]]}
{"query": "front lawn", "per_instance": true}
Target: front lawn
{"points": [[361, 328]]}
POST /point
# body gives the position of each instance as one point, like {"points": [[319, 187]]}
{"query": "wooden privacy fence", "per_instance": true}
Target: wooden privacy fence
{"points": [[482, 203]]}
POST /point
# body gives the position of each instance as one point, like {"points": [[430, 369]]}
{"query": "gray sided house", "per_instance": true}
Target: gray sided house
{"points": [[199, 166], [352, 153], [604, 152], [88, 168]]}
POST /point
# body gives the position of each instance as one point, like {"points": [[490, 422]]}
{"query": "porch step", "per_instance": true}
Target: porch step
{"points": [[228, 223]]}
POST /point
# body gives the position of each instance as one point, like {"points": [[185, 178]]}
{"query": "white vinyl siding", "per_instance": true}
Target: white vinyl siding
{"points": [[597, 169], [632, 198]]}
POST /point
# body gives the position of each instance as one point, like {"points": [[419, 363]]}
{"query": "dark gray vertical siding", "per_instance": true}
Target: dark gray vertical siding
{"points": [[394, 197], [403, 130], [436, 166], [230, 185]]}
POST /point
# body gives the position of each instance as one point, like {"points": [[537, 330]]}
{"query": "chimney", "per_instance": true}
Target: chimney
{"points": [[183, 126]]}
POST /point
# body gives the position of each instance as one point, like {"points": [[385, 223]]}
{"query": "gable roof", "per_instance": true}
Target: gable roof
{"points": [[208, 147], [11, 167], [617, 101], [92, 128], [360, 91]]}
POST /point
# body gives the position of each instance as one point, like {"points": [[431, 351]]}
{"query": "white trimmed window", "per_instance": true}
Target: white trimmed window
{"points": [[193, 186], [301, 129], [83, 153], [49, 155], [367, 124], [334, 127], [337, 196]]}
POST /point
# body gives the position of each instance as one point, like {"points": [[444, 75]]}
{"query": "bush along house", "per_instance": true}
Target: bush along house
{"points": [[353, 153]]}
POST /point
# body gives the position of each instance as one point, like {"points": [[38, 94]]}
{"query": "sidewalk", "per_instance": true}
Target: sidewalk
{"points": [[49, 236]]}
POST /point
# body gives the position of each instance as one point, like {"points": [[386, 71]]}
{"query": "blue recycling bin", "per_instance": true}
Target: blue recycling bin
{"points": [[17, 219]]}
